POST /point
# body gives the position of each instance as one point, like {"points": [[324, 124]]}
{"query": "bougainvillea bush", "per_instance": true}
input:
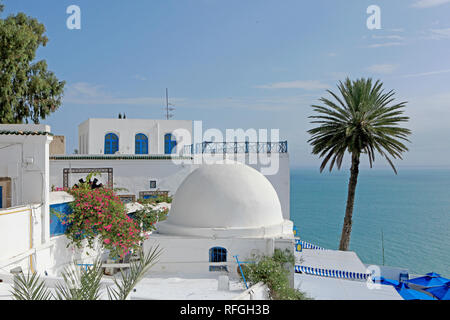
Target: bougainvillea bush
{"points": [[99, 214]]}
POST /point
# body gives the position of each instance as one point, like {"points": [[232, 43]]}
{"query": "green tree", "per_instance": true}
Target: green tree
{"points": [[28, 91], [363, 120]]}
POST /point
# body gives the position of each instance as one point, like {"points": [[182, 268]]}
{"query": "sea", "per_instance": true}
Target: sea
{"points": [[408, 214]]}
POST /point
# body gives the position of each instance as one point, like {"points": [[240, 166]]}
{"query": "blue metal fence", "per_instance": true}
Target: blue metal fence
{"points": [[236, 147]]}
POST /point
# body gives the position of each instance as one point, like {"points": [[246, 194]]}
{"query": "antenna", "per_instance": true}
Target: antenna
{"points": [[168, 108]]}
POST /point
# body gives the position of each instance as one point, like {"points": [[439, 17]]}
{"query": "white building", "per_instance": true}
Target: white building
{"points": [[129, 136], [26, 240], [210, 221], [24, 187], [144, 158]]}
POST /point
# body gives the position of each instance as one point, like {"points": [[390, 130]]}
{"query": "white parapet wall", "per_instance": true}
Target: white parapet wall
{"points": [[16, 237], [20, 245]]}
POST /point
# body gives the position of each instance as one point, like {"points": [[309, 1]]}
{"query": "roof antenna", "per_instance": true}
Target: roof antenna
{"points": [[168, 108]]}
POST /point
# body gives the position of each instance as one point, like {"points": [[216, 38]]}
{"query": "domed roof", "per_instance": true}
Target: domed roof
{"points": [[219, 197]]}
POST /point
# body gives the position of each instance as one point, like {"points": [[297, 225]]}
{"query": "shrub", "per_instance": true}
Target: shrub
{"points": [[148, 216], [99, 213], [271, 270], [158, 199]]}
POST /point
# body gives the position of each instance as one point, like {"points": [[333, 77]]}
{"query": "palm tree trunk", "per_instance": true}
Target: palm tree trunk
{"points": [[347, 228]]}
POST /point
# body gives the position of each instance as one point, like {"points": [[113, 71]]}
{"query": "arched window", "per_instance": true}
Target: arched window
{"points": [[111, 143], [141, 144], [169, 144], [217, 254]]}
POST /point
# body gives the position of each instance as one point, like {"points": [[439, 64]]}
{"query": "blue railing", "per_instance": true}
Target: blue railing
{"points": [[236, 147]]}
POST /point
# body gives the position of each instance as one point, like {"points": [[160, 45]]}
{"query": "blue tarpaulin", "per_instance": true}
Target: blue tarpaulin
{"points": [[409, 294], [441, 292], [429, 280]]}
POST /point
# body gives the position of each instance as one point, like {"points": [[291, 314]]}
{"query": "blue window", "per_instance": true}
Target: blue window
{"points": [[169, 144], [141, 144], [1, 197], [218, 254], [57, 216], [111, 143]]}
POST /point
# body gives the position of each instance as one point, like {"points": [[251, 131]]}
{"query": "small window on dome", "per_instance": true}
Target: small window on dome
{"points": [[218, 254]]}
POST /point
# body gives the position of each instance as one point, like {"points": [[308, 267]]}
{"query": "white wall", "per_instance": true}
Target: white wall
{"points": [[93, 132], [16, 234]]}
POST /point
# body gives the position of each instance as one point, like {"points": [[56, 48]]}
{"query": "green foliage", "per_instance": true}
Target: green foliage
{"points": [[148, 216], [362, 120], [158, 199], [27, 89], [30, 287], [131, 278], [272, 271], [85, 284]]}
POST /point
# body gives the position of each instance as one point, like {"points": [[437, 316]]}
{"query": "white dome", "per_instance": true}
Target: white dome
{"points": [[223, 200]]}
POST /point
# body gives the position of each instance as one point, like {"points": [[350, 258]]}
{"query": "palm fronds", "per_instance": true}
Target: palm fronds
{"points": [[131, 277], [30, 287], [81, 284], [361, 121]]}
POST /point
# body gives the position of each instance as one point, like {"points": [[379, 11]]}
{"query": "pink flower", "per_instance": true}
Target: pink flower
{"points": [[107, 241]]}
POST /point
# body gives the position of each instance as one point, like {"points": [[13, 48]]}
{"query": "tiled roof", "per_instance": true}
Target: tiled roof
{"points": [[25, 133]]}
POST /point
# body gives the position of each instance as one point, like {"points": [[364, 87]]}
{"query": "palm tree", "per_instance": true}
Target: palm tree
{"points": [[361, 121]]}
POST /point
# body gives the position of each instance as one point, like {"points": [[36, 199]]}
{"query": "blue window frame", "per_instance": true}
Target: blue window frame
{"points": [[141, 144], [111, 143], [217, 254], [169, 144]]}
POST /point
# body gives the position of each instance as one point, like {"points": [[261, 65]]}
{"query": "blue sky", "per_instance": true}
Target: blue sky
{"points": [[248, 64]]}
